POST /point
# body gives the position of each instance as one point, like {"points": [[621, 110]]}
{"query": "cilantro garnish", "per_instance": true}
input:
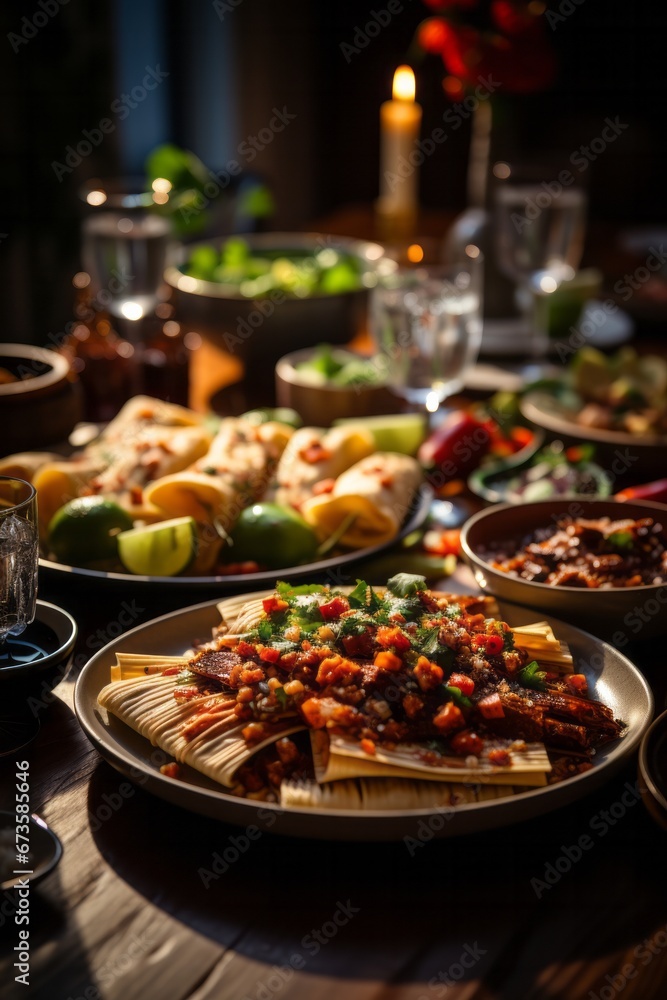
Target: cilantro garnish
{"points": [[532, 677], [406, 584], [281, 696], [264, 630], [365, 597]]}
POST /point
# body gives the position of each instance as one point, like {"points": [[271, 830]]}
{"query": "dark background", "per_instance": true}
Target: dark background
{"points": [[229, 67]]}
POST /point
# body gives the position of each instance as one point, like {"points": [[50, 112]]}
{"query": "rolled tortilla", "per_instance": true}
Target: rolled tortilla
{"points": [[153, 452], [25, 464], [376, 492], [246, 454], [313, 455], [59, 482]]}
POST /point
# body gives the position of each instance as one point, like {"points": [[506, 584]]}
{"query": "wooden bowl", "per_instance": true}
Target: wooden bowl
{"points": [[42, 407]]}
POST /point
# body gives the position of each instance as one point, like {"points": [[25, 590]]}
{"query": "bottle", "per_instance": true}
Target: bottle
{"points": [[164, 356], [103, 361]]}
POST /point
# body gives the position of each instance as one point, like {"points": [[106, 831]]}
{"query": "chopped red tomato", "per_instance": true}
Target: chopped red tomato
{"points": [[314, 454], [577, 683], [271, 604], [492, 645], [499, 758], [337, 670], [334, 608], [367, 746], [246, 649], [387, 660], [170, 671], [269, 655], [392, 637], [428, 674], [449, 718], [465, 684], [491, 706], [323, 486], [443, 543], [467, 743]]}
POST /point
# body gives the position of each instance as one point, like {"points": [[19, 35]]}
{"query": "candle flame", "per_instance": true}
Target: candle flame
{"points": [[404, 84]]}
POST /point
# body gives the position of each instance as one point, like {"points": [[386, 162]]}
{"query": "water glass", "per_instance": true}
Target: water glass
{"points": [[540, 231], [427, 327], [19, 556]]}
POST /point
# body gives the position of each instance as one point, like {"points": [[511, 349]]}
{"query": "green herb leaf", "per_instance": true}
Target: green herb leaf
{"points": [[264, 630], [621, 539], [281, 696], [429, 645], [406, 584], [453, 611], [532, 677], [357, 598]]}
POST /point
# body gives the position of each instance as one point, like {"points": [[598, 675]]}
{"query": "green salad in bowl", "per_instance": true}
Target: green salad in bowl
{"points": [[253, 273]]}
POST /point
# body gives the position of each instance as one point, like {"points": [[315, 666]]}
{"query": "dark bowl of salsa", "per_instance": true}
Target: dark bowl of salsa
{"points": [[600, 564]]}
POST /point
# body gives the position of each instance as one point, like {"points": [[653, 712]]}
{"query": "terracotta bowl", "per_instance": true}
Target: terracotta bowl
{"points": [[621, 614], [43, 406]]}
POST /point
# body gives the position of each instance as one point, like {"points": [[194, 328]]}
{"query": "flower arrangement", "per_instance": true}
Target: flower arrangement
{"points": [[505, 39]]}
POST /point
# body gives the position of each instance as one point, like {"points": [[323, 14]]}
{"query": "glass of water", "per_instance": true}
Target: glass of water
{"points": [[540, 232], [427, 328], [18, 559], [125, 246]]}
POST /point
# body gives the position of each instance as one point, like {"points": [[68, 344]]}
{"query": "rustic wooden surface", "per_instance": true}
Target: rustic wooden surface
{"points": [[126, 914]]}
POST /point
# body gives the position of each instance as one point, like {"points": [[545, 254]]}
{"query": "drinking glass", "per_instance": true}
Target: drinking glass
{"points": [[427, 327], [18, 559], [125, 246], [540, 232]]}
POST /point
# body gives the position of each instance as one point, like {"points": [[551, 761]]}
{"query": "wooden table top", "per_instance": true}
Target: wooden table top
{"points": [[131, 913]]}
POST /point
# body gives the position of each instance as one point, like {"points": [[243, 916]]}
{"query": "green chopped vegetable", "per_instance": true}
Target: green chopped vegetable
{"points": [[455, 694], [281, 696], [532, 677], [621, 539], [287, 590], [265, 630]]}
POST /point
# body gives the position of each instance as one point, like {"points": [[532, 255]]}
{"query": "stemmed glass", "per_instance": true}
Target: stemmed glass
{"points": [[539, 242], [427, 328], [19, 557]]}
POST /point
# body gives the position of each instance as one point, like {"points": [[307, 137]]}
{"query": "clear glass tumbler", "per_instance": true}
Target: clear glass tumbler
{"points": [[19, 555], [427, 327]]}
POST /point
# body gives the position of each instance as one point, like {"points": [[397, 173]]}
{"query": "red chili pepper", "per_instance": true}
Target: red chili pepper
{"points": [[456, 447], [656, 490]]}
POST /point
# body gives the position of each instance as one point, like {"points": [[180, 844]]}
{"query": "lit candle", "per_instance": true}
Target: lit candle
{"points": [[400, 120]]}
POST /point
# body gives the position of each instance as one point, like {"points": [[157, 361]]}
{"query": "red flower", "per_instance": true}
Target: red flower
{"points": [[433, 34], [514, 18], [462, 53]]}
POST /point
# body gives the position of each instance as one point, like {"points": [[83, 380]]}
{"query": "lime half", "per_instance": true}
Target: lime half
{"points": [[85, 530], [162, 549], [401, 432]]}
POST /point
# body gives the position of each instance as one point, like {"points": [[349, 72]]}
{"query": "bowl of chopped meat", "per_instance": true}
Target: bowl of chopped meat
{"points": [[601, 564]]}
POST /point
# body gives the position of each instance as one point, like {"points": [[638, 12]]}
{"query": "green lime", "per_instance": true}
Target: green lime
{"points": [[85, 530], [272, 536], [162, 549], [401, 432]]}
